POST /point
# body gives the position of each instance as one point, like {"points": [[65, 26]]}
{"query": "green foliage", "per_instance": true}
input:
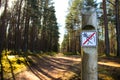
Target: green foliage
{"points": [[72, 26], [90, 3], [50, 53], [33, 26], [65, 43], [70, 53], [13, 63], [73, 15]]}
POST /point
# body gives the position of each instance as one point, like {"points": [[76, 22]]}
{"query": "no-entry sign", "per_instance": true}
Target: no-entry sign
{"points": [[88, 38]]}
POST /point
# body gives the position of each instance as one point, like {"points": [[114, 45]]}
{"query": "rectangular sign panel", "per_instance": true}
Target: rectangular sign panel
{"points": [[89, 38]]}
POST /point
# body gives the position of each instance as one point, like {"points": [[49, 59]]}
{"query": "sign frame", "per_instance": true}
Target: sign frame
{"points": [[89, 35]]}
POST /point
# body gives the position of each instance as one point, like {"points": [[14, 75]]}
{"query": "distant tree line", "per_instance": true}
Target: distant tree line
{"points": [[108, 12], [28, 25]]}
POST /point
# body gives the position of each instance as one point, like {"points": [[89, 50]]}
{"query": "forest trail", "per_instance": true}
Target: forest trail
{"points": [[111, 62], [51, 68], [60, 67]]}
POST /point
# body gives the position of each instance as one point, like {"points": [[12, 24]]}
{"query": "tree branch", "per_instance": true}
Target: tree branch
{"points": [[111, 2]]}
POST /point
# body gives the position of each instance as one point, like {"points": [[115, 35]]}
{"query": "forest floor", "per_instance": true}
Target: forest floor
{"points": [[61, 67]]}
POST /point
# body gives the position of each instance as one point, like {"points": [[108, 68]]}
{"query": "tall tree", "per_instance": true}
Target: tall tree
{"points": [[17, 31], [107, 46], [3, 34], [26, 29], [117, 26], [32, 25], [72, 25]]}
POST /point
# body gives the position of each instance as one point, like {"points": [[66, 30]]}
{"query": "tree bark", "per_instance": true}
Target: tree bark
{"points": [[107, 48], [89, 53], [26, 30], [0, 3], [3, 35], [117, 26], [18, 37]]}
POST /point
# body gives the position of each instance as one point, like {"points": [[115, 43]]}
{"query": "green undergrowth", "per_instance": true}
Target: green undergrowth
{"points": [[12, 64], [71, 53], [104, 73], [50, 53]]}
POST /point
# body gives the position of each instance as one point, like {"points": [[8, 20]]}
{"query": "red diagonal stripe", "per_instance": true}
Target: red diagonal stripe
{"points": [[89, 38]]}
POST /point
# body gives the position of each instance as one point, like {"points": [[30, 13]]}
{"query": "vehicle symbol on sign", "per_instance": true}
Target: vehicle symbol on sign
{"points": [[88, 38]]}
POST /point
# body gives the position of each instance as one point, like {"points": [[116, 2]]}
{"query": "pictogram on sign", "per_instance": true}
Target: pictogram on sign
{"points": [[88, 38]]}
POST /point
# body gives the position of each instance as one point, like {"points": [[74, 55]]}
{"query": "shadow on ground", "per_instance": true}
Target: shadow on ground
{"points": [[62, 68], [53, 68]]}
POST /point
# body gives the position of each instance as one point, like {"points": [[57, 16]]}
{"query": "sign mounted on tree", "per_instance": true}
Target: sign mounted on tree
{"points": [[88, 39], [89, 45]]}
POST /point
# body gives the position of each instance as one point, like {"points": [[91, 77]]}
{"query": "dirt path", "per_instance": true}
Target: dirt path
{"points": [[58, 68], [51, 68]]}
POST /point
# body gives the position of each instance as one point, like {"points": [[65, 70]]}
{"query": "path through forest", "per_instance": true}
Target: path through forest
{"points": [[66, 68]]}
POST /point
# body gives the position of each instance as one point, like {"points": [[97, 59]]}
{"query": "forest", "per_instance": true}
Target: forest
{"points": [[108, 26], [28, 25], [29, 40]]}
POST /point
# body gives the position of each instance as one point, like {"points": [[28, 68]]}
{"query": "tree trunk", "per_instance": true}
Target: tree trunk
{"points": [[2, 36], [107, 48], [89, 53], [0, 3], [18, 37], [117, 26], [26, 30]]}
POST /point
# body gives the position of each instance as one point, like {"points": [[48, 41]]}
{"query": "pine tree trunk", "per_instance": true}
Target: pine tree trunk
{"points": [[107, 48], [117, 27], [2, 36]]}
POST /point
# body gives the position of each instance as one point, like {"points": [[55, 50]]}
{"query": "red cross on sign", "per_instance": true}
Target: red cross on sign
{"points": [[88, 38]]}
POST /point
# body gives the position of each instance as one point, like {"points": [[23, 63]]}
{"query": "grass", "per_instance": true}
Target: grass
{"points": [[104, 74], [12, 64]]}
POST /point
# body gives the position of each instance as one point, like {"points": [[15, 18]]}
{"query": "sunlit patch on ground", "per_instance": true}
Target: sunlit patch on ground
{"points": [[105, 77], [12, 65], [59, 67], [112, 64], [26, 75]]}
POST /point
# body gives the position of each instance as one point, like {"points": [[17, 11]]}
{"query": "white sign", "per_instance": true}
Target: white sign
{"points": [[88, 38]]}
